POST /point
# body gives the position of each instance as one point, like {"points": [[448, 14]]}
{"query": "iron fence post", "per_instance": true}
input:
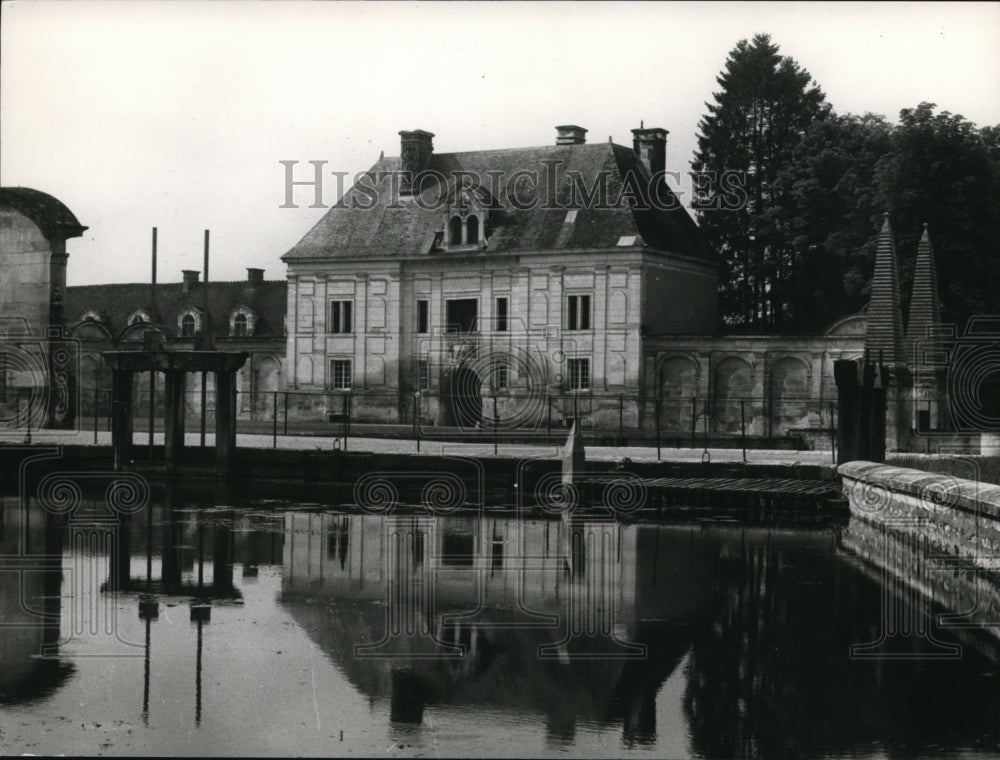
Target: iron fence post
{"points": [[274, 421], [204, 393], [286, 414], [496, 421], [152, 406], [97, 403], [694, 419], [416, 424], [743, 428], [621, 414], [548, 436], [657, 430], [833, 437]]}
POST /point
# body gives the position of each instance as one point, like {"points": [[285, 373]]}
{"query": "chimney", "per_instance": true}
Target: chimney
{"points": [[650, 145], [255, 276], [190, 279], [570, 134], [415, 151]]}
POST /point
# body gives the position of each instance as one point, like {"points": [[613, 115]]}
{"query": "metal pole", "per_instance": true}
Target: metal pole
{"points": [[621, 415], [286, 414], [694, 419], [496, 421], [206, 345], [833, 437], [97, 401], [416, 424], [152, 406], [743, 428], [274, 420], [549, 430], [204, 391], [152, 373], [657, 430]]}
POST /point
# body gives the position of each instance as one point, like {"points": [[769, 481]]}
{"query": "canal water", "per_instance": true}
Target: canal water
{"points": [[204, 623]]}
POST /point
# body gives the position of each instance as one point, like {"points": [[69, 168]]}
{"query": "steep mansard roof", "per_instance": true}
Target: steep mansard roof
{"points": [[51, 215], [408, 230], [115, 302]]}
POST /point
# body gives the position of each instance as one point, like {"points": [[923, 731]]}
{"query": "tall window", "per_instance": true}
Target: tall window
{"points": [[501, 376], [579, 374], [455, 231], [472, 229], [340, 374], [423, 374], [501, 314], [340, 317], [578, 312], [240, 326], [423, 316], [187, 326]]}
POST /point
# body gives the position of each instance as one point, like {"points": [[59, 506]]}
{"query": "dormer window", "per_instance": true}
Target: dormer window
{"points": [[455, 231], [90, 316], [465, 223], [189, 322], [241, 322], [138, 317]]}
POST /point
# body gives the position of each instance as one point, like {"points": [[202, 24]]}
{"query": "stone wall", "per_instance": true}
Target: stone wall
{"points": [[956, 518]]}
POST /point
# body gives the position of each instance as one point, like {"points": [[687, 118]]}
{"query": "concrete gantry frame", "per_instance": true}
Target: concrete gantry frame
{"points": [[175, 365]]}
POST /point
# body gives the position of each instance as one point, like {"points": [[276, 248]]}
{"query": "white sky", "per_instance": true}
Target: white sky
{"points": [[176, 115]]}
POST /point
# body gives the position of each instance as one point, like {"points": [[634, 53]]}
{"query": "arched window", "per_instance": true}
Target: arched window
{"points": [[187, 326], [455, 231], [138, 317], [240, 326], [472, 229]]}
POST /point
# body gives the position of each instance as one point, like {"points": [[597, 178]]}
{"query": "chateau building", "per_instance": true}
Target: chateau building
{"points": [[479, 286], [240, 316], [529, 286]]}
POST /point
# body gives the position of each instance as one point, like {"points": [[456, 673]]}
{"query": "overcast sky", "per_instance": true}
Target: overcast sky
{"points": [[175, 115]]}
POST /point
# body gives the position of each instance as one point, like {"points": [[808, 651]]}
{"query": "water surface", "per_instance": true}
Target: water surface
{"points": [[202, 626]]}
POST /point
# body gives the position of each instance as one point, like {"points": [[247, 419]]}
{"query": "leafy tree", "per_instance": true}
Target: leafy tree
{"points": [[848, 170], [765, 102], [942, 170]]}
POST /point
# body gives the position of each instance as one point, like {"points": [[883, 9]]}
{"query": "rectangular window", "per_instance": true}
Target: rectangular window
{"points": [[579, 374], [340, 374], [501, 315], [340, 317], [462, 315], [423, 374], [423, 313], [578, 312], [501, 376]]}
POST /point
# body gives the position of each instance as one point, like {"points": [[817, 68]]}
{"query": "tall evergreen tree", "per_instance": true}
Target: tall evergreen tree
{"points": [[765, 102]]}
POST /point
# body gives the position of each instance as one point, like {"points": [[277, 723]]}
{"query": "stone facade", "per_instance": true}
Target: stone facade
{"points": [[241, 316], [767, 385], [34, 383], [481, 310]]}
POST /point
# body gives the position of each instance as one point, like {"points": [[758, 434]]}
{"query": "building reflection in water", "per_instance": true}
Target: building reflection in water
{"points": [[30, 601], [574, 620], [64, 540]]}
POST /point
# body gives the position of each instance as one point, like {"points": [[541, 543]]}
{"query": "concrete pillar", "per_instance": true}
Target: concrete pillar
{"points": [[225, 421], [121, 416], [173, 416]]}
